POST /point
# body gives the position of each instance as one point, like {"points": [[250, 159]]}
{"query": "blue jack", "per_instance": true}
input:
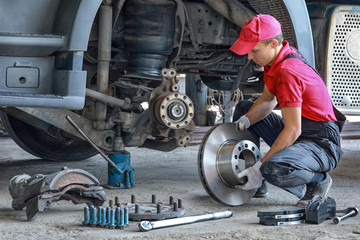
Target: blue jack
{"points": [[125, 178]]}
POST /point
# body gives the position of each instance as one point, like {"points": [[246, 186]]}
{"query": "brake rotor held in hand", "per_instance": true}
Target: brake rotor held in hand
{"points": [[224, 152]]}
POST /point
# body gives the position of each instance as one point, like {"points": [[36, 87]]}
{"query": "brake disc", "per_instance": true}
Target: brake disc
{"points": [[223, 153]]}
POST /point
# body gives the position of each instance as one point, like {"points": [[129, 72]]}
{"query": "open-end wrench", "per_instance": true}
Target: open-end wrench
{"points": [[147, 225], [350, 212]]}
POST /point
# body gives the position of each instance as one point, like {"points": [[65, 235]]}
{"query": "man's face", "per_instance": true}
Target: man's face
{"points": [[263, 54]]}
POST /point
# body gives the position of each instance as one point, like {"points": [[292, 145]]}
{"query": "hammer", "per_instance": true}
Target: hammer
{"points": [[349, 212]]}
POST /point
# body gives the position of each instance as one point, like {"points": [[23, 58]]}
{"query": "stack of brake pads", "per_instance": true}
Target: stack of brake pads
{"points": [[316, 212]]}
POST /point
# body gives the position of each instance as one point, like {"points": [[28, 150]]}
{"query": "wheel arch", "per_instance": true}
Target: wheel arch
{"points": [[301, 23]]}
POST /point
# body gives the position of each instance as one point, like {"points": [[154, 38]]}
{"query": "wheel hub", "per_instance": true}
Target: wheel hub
{"points": [[174, 110]]}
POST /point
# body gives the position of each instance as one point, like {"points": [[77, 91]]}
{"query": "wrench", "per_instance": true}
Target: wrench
{"points": [[147, 225], [352, 211]]}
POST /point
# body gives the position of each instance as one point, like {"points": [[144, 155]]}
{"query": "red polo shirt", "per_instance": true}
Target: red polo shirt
{"points": [[295, 84]]}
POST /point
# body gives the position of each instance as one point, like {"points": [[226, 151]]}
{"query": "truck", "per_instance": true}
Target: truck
{"points": [[113, 66]]}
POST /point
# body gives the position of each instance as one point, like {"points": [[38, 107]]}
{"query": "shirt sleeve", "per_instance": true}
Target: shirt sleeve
{"points": [[288, 89]]}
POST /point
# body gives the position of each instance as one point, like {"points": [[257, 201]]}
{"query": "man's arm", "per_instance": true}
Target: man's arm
{"points": [[291, 131], [262, 106]]}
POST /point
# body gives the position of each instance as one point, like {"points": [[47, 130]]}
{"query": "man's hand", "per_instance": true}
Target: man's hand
{"points": [[253, 175], [242, 123]]}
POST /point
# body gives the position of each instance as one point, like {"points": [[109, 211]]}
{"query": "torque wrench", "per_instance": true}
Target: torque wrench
{"points": [[147, 225], [350, 212]]}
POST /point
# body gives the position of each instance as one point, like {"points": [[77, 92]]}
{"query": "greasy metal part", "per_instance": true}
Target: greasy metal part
{"points": [[223, 153], [184, 140], [234, 11], [37, 192], [56, 117], [350, 212], [124, 104], [171, 115], [92, 144], [169, 74], [154, 210], [104, 57], [171, 108], [145, 226], [174, 110]]}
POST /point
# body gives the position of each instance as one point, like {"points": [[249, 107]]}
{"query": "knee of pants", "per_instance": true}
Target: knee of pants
{"points": [[275, 172], [241, 108]]}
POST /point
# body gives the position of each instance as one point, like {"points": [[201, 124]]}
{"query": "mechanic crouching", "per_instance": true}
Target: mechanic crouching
{"points": [[305, 141]]}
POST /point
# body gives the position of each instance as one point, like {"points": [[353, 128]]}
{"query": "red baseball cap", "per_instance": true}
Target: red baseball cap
{"points": [[258, 28]]}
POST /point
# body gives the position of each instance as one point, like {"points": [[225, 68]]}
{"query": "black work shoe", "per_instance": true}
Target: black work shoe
{"points": [[262, 191], [315, 189]]}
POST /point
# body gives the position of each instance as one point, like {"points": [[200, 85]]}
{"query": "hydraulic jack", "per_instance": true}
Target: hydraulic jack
{"points": [[120, 173], [124, 179]]}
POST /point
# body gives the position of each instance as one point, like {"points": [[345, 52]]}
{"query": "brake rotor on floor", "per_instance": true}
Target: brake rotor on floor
{"points": [[223, 153]]}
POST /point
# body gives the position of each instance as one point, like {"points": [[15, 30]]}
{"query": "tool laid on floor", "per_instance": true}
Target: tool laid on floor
{"points": [[37, 192], [281, 217], [147, 225], [349, 212]]}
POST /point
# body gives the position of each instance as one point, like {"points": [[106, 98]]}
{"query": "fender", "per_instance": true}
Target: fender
{"points": [[301, 21]]}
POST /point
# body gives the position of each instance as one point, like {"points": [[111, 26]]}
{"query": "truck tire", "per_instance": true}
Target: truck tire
{"points": [[43, 145]]}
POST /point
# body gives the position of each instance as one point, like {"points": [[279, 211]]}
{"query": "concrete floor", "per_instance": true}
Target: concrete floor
{"points": [[171, 174]]}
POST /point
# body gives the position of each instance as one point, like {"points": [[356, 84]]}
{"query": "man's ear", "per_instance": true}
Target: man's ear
{"points": [[274, 43]]}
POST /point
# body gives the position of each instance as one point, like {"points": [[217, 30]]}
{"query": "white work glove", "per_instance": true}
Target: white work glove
{"points": [[242, 123], [253, 175]]}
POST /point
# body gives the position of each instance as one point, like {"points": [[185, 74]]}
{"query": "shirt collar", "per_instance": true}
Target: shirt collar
{"points": [[285, 50]]}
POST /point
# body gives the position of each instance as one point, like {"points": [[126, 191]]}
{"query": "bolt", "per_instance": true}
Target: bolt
{"points": [[86, 215], [122, 219], [171, 200], [153, 198], [133, 199], [158, 207], [99, 215], [126, 216], [108, 214], [111, 203], [175, 206], [117, 216], [180, 203], [92, 216], [137, 208], [116, 201], [112, 219], [103, 218]]}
